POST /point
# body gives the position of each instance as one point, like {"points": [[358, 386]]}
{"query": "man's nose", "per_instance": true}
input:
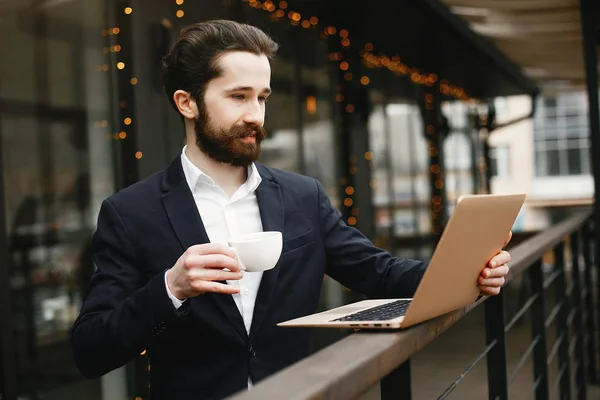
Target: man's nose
{"points": [[254, 115]]}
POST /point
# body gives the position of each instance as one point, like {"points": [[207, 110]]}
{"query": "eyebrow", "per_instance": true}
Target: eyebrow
{"points": [[247, 89]]}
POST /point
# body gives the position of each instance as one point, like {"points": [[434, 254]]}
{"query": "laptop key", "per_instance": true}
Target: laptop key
{"points": [[383, 312]]}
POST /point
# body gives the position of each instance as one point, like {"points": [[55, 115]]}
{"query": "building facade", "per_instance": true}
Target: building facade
{"points": [[547, 157]]}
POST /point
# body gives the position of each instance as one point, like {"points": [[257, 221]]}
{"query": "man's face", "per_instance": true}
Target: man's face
{"points": [[229, 127]]}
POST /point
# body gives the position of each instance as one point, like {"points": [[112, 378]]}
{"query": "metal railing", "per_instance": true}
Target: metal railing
{"points": [[353, 365]]}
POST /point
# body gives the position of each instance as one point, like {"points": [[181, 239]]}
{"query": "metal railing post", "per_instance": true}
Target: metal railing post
{"points": [[396, 385], [590, 337], [562, 330], [578, 326], [496, 359], [538, 331]]}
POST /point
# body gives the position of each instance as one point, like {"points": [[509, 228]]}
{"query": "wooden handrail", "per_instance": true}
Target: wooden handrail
{"points": [[351, 366]]}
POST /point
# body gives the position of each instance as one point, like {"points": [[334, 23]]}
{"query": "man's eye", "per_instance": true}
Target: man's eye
{"points": [[262, 99], [238, 96]]}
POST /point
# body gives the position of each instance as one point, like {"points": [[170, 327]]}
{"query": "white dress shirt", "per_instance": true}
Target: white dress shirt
{"points": [[224, 217]]}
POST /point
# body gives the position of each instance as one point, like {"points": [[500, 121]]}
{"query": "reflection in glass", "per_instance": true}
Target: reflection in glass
{"points": [[280, 147], [55, 109], [320, 150]]}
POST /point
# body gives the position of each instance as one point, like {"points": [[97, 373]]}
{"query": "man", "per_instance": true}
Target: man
{"points": [[167, 282]]}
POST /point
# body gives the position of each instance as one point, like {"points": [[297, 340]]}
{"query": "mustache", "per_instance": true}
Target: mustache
{"points": [[242, 131]]}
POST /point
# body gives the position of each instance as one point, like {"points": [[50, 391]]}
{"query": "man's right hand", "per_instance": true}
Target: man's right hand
{"points": [[200, 269]]}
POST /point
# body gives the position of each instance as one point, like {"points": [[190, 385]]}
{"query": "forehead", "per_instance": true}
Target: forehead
{"points": [[244, 69]]}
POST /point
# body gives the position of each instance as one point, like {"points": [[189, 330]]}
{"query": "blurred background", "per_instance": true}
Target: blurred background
{"points": [[398, 108]]}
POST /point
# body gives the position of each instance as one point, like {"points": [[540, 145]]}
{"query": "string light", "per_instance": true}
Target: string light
{"points": [[128, 10], [371, 60], [138, 155], [311, 105], [179, 13]]}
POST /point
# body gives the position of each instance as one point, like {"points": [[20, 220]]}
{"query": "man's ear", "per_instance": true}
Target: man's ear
{"points": [[185, 104]]}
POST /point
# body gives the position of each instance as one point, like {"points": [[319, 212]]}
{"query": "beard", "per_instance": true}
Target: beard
{"points": [[226, 145]]}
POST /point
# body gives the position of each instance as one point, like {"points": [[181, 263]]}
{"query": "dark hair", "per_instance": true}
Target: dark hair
{"points": [[193, 59]]}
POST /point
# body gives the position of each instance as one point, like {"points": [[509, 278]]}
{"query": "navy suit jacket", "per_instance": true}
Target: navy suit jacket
{"points": [[202, 350]]}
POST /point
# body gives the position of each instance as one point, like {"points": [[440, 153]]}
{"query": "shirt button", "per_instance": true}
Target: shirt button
{"points": [[246, 291], [251, 352]]}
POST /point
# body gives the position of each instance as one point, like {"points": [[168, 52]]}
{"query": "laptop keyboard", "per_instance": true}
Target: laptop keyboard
{"points": [[383, 312]]}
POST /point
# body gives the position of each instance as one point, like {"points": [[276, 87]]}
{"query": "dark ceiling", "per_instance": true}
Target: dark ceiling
{"points": [[423, 33]]}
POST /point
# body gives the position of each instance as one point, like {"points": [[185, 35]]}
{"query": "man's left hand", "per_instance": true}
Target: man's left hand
{"points": [[492, 277]]}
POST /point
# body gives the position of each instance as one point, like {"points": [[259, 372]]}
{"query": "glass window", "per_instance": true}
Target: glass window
{"points": [[280, 147], [500, 161], [319, 135], [549, 102], [585, 161], [457, 152], [558, 129], [379, 147], [541, 162], [574, 161], [57, 137], [553, 162]]}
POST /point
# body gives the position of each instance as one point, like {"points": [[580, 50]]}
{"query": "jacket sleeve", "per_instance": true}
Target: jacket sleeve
{"points": [[354, 261], [121, 312]]}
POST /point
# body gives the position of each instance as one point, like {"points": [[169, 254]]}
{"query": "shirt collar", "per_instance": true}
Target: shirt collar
{"points": [[194, 175]]}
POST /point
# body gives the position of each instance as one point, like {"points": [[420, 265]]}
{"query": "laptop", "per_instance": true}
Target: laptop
{"points": [[476, 232]]}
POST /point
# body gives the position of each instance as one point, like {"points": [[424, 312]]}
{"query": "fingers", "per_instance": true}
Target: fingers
{"points": [[489, 290], [494, 282], [212, 248], [218, 261], [502, 258], [214, 287], [213, 274], [495, 272]]}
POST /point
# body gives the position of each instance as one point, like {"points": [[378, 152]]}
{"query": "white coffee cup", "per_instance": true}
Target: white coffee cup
{"points": [[258, 251]]}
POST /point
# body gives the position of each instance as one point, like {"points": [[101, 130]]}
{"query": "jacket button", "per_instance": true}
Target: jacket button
{"points": [[251, 352]]}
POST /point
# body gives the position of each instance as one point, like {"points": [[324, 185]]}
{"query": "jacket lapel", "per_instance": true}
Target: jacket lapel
{"points": [[184, 217], [270, 203]]}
